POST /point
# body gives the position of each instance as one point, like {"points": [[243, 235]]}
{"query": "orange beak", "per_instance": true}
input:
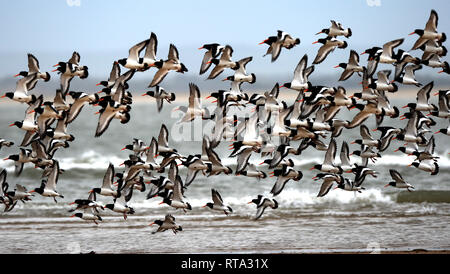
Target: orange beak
{"points": [[200, 48], [315, 42], [412, 33], [17, 75]]}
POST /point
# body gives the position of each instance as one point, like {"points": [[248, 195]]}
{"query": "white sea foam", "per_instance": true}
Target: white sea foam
{"points": [[96, 160]]}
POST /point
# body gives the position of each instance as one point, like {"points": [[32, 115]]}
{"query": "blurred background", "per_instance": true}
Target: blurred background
{"points": [[103, 31]]}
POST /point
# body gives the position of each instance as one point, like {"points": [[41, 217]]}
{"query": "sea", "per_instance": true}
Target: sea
{"points": [[375, 220]]}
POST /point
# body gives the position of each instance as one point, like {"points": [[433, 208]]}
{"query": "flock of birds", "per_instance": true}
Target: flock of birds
{"points": [[309, 120]]}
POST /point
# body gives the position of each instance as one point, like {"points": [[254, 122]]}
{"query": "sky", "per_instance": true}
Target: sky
{"points": [[103, 31]]}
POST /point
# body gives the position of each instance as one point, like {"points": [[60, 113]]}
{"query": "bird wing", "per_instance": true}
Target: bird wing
{"points": [[163, 137], [159, 76], [423, 95], [279, 185], [65, 82], [243, 158], [344, 155], [432, 22], [133, 53], [53, 177], [194, 96], [430, 146], [364, 131], [276, 50], [396, 176], [169, 219], [108, 178], [259, 212], [227, 53], [177, 191], [242, 63], [325, 187], [115, 72], [217, 199], [173, 53], [323, 53], [33, 64], [104, 120], [388, 48], [331, 153], [299, 72], [205, 65], [152, 46]]}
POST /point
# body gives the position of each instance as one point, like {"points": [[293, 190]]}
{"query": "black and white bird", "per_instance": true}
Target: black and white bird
{"points": [[218, 204], [240, 75], [5, 143], [48, 186], [328, 181], [88, 215], [223, 62], [301, 73], [429, 32], [150, 51], [21, 92], [194, 108], [213, 51], [133, 61], [177, 200], [398, 182], [33, 68], [276, 43], [120, 204], [90, 202], [262, 203], [385, 55], [329, 45], [335, 30], [160, 95], [172, 63], [283, 175], [70, 69], [166, 224], [107, 184], [328, 164], [351, 67]]}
